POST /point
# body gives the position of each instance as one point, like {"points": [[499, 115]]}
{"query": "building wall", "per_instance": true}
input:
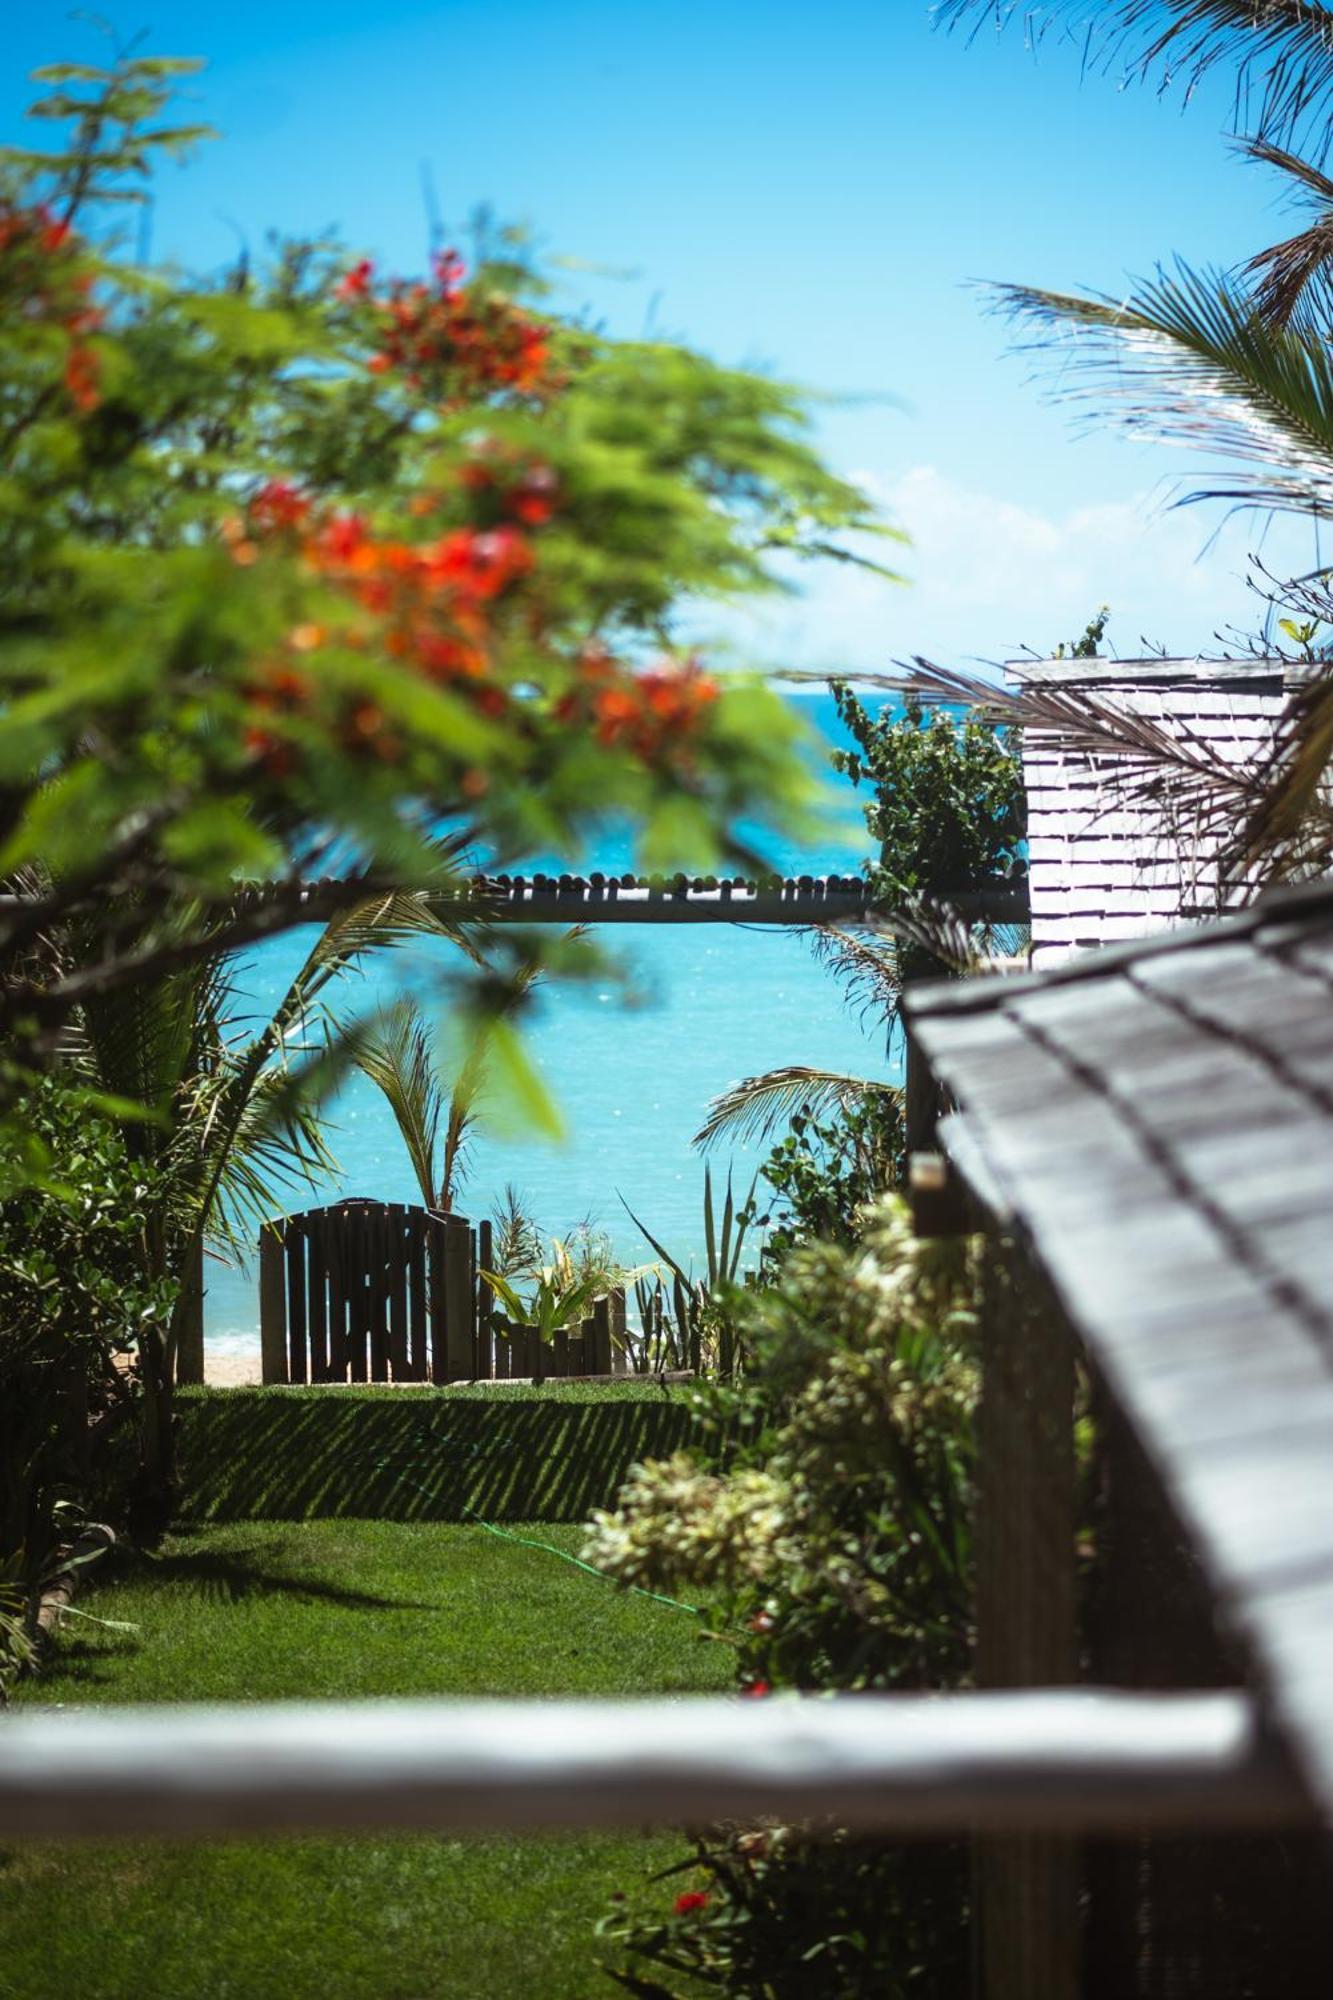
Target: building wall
{"points": [[1106, 863]]}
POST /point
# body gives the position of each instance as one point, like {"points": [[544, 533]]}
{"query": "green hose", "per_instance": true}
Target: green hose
{"points": [[384, 1463]]}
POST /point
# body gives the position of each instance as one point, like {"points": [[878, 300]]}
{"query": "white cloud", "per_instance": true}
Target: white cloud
{"points": [[988, 577]]}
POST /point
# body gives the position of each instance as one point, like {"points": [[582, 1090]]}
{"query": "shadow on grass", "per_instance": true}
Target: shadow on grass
{"points": [[303, 1454], [232, 1575], [93, 1662]]}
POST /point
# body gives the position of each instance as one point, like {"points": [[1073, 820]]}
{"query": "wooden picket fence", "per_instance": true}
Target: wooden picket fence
{"points": [[370, 1291]]}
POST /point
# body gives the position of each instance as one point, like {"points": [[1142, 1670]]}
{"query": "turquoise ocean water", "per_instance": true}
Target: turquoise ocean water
{"points": [[632, 1082]]}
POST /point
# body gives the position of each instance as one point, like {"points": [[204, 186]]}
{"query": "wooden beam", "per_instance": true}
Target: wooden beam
{"points": [[683, 899], [1068, 1760]]}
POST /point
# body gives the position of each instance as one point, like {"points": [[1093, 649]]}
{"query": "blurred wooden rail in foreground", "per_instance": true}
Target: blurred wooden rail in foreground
{"points": [[1068, 1760]]}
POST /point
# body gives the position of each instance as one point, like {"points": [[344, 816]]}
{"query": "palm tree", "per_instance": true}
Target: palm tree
{"points": [[1237, 365], [399, 1055], [232, 1120], [755, 1108], [1281, 51]]}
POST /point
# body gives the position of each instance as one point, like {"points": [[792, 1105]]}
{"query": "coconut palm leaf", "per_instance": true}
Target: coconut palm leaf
{"points": [[870, 966], [1189, 360], [1280, 50], [1299, 267], [397, 1055], [757, 1106], [1254, 822]]}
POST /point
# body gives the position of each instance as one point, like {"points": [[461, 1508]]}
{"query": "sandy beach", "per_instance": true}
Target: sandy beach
{"points": [[231, 1371]]}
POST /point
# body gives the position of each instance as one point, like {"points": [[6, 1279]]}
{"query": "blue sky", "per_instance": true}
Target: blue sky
{"points": [[812, 191]]}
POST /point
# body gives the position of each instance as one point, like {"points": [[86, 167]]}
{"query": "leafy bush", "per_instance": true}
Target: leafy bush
{"points": [[948, 809], [824, 1172], [827, 1536], [74, 1302]]}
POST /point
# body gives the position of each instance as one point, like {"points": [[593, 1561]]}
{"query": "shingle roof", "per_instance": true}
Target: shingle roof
{"points": [[1156, 1122], [1103, 869]]}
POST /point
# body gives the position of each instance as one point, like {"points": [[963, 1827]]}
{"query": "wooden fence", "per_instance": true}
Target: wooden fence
{"points": [[370, 1291]]}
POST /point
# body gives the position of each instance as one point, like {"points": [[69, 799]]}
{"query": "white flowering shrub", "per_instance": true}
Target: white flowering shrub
{"points": [[826, 1535]]}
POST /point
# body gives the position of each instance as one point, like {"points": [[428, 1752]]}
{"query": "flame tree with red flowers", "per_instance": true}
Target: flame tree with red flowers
{"points": [[304, 565], [313, 572]]}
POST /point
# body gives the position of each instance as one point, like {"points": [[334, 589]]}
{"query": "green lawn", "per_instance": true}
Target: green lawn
{"points": [[267, 1610]]}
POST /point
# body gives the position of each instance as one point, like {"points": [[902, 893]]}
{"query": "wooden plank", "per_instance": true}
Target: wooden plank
{"points": [[437, 1265], [459, 1299], [272, 1304], [190, 1318], [1060, 1761], [352, 1227], [559, 1366], [485, 1304], [395, 1216], [1026, 1886], [502, 1349], [417, 1299], [375, 1253], [298, 1355], [619, 1328], [335, 1258], [599, 1360], [316, 1224]]}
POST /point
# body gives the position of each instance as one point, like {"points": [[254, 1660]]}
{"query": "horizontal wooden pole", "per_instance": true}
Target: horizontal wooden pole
{"points": [[1068, 1760]]}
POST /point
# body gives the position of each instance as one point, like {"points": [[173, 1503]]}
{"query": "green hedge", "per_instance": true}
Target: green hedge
{"points": [[489, 1451]]}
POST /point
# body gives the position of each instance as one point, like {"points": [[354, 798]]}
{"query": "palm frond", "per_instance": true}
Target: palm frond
{"points": [[1291, 271], [1248, 823], [1189, 361], [396, 1054], [1281, 51], [757, 1106], [868, 963]]}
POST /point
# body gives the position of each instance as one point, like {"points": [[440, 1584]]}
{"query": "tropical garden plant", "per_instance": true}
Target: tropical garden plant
{"points": [[313, 581], [682, 1323], [825, 1535], [1236, 365], [946, 810], [557, 1299]]}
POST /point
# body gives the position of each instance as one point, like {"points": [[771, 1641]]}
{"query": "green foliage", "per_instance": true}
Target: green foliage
{"points": [[1089, 643], [193, 689], [76, 1295], [681, 1321], [825, 1171], [948, 806], [828, 1537], [559, 1295]]}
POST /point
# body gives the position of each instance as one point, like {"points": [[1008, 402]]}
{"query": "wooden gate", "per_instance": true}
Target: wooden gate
{"points": [[369, 1291], [372, 1291]]}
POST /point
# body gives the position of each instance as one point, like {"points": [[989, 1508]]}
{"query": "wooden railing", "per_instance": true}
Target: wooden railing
{"points": [[1062, 1761]]}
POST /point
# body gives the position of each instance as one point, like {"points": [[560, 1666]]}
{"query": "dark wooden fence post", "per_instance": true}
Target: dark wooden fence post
{"points": [[190, 1321], [437, 1239], [485, 1304], [601, 1337], [459, 1299], [1026, 1884]]}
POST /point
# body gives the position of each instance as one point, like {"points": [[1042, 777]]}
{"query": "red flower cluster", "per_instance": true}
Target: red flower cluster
{"points": [[651, 712], [449, 338], [42, 268], [691, 1901], [523, 489], [432, 605]]}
